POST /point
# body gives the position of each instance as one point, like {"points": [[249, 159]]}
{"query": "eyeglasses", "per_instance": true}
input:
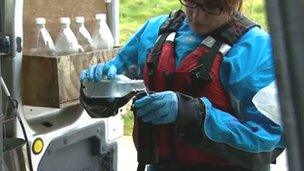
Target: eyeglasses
{"points": [[206, 7]]}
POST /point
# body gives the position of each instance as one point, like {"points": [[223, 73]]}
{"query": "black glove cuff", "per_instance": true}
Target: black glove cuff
{"points": [[190, 110], [191, 116]]}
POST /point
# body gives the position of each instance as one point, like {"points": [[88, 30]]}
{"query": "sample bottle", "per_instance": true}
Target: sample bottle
{"points": [[66, 42], [83, 36], [102, 35], [42, 44]]}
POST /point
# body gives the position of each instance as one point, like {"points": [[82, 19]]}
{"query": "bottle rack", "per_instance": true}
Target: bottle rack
{"points": [[53, 81]]}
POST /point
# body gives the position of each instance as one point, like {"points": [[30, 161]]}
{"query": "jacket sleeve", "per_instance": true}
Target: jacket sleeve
{"points": [[252, 139], [132, 56]]}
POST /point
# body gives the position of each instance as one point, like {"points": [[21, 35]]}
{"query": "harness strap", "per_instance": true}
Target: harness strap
{"points": [[201, 73], [226, 34], [152, 64], [229, 33], [141, 167], [169, 81], [171, 25]]}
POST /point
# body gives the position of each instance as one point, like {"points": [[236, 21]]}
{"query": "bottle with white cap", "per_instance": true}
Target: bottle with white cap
{"points": [[66, 42], [102, 35], [83, 36], [42, 43]]}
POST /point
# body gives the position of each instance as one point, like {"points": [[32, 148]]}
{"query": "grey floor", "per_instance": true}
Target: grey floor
{"points": [[127, 157]]}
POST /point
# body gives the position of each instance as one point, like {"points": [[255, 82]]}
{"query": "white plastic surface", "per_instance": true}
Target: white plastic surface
{"points": [[101, 16], [266, 101], [66, 42], [65, 20], [42, 42], [115, 126], [79, 19], [40, 20], [102, 35], [83, 36]]}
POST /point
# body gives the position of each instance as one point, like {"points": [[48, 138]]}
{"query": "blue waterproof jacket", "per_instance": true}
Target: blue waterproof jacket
{"points": [[246, 69]]}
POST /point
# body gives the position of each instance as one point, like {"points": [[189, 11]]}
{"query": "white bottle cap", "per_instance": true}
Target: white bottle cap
{"points": [[40, 20], [79, 19], [101, 16], [65, 20]]}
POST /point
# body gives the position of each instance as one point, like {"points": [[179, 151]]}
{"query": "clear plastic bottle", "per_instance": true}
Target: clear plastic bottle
{"points": [[42, 43], [102, 35], [83, 36], [66, 42]]}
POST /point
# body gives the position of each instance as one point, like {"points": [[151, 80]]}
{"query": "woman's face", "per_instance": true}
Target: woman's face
{"points": [[200, 19]]}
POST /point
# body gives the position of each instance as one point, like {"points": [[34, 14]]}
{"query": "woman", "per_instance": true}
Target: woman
{"points": [[203, 68]]}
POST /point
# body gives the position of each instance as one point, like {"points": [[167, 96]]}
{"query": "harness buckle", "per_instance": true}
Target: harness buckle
{"points": [[200, 75]]}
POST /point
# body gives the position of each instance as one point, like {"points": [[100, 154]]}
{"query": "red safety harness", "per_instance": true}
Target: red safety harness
{"points": [[198, 76]]}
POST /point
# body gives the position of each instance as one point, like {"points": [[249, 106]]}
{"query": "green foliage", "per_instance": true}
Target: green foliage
{"points": [[128, 121], [255, 9], [134, 13]]}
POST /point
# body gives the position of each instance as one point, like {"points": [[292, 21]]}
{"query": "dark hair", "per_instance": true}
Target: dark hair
{"points": [[228, 6]]}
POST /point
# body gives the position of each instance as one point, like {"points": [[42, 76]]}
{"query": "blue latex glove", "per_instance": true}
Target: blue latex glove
{"points": [[158, 108], [95, 72]]}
